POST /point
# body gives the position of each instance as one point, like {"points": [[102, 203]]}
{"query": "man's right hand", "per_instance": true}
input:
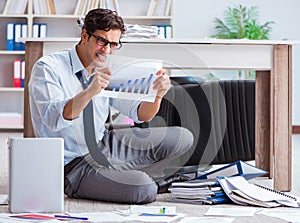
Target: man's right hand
{"points": [[100, 81]]}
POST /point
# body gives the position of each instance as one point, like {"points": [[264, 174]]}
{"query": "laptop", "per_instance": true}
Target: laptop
{"points": [[36, 175]]}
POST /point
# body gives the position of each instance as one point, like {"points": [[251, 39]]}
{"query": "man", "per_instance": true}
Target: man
{"points": [[58, 98]]}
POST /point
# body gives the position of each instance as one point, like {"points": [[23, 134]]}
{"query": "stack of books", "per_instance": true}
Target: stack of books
{"points": [[198, 192]]}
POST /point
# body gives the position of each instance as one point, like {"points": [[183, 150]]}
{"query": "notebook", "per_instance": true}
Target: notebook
{"points": [[36, 175], [240, 191]]}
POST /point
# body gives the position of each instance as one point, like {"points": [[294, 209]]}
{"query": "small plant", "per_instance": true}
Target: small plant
{"points": [[242, 22]]}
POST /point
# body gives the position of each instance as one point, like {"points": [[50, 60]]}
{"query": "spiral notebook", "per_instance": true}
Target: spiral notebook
{"points": [[240, 191]]}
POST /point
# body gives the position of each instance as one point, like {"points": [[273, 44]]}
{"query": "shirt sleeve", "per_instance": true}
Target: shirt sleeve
{"points": [[47, 98]]}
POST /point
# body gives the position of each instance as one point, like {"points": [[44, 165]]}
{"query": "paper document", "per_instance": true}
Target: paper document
{"points": [[232, 211], [133, 81], [241, 192]]}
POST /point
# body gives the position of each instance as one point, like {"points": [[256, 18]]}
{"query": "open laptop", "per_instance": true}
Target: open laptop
{"points": [[36, 175]]}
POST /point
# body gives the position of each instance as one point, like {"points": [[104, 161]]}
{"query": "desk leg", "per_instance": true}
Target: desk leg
{"points": [[34, 50], [282, 136], [263, 115]]}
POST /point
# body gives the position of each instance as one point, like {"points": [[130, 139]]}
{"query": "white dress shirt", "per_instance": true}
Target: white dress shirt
{"points": [[52, 84]]}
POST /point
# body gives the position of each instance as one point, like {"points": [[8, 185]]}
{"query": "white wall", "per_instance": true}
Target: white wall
{"points": [[195, 19]]}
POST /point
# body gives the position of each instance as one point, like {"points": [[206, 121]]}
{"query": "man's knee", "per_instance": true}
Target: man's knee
{"points": [[142, 194]]}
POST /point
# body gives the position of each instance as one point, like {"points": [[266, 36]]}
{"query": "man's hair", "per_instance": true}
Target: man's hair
{"points": [[103, 19]]}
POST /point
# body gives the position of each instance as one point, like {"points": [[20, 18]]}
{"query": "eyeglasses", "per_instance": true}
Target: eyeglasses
{"points": [[103, 42]]}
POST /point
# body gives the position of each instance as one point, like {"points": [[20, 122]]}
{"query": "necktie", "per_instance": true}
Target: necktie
{"points": [[89, 129]]}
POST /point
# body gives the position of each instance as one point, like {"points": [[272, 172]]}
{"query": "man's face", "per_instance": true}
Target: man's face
{"points": [[97, 46]]}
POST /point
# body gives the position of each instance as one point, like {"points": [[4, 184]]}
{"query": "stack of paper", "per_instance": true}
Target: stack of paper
{"points": [[198, 191]]}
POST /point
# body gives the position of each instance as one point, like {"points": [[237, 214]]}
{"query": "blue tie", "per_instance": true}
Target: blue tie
{"points": [[89, 129]]}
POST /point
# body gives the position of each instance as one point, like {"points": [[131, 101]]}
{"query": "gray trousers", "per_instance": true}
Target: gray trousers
{"points": [[140, 156]]}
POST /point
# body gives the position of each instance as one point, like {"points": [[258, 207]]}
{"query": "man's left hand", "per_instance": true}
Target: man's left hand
{"points": [[162, 84]]}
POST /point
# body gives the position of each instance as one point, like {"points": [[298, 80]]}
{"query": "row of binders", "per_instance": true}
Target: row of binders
{"points": [[19, 73], [15, 31]]}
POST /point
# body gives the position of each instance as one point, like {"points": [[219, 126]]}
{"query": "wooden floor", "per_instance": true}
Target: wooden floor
{"points": [[73, 205]]}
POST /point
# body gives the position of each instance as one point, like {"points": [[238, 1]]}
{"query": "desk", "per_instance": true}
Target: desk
{"points": [[271, 59]]}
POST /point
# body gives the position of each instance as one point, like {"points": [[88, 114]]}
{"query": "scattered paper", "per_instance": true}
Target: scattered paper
{"points": [[121, 217], [232, 211], [287, 214], [206, 220], [138, 209], [101, 216]]}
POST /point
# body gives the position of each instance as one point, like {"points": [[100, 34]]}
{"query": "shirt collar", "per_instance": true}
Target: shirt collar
{"points": [[76, 63]]}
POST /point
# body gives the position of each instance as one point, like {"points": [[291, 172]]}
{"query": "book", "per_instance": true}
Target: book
{"points": [[240, 191], [238, 168], [6, 7], [150, 8], [36, 7], [52, 7], [168, 8]]}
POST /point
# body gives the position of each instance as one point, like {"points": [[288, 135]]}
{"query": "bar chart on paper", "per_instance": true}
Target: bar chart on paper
{"points": [[138, 86], [132, 81]]}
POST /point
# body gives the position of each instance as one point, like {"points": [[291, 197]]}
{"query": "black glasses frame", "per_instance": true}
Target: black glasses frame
{"points": [[104, 42]]}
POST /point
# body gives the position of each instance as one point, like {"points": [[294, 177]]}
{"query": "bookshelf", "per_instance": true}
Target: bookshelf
{"points": [[60, 23]]}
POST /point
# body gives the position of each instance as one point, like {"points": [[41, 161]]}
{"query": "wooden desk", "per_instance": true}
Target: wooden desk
{"points": [[271, 59]]}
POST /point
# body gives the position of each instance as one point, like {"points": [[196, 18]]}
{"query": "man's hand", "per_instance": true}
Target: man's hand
{"points": [[162, 84], [100, 81]]}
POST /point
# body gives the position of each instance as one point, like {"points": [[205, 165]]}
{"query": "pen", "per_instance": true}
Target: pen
{"points": [[70, 217]]}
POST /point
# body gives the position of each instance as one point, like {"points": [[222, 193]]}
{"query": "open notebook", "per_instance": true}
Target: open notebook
{"points": [[241, 192]]}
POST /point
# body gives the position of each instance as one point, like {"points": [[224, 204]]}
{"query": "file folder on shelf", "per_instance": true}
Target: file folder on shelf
{"points": [[17, 73], [42, 30], [18, 31], [22, 73], [24, 34], [35, 30], [10, 36]]}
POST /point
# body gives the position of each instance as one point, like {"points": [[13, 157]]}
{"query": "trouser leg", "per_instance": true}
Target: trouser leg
{"points": [[152, 150], [87, 180]]}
